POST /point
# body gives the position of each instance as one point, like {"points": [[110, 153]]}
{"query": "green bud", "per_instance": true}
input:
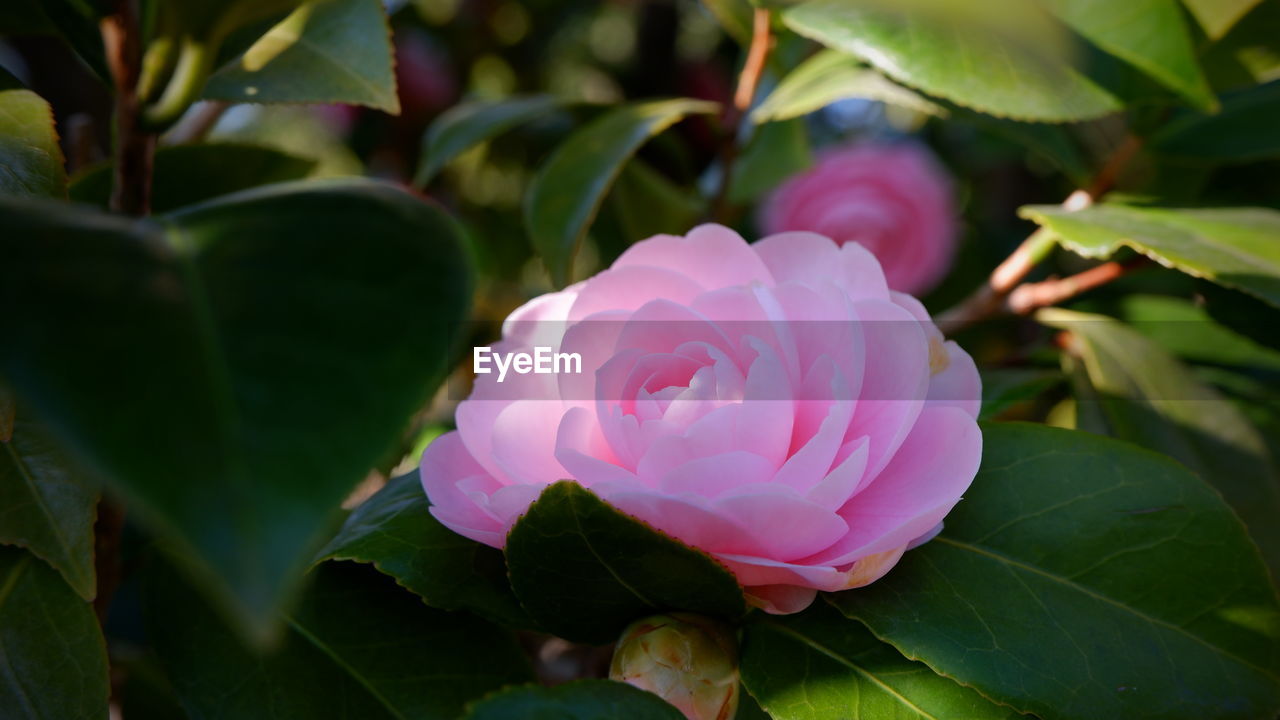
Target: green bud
{"points": [[688, 660]]}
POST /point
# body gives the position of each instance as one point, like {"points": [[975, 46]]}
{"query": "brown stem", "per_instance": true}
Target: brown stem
{"points": [[107, 534], [135, 149], [1031, 296], [748, 81], [990, 298]]}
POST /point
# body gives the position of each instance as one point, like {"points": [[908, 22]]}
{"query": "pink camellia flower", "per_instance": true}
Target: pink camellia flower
{"points": [[893, 199], [774, 405]]}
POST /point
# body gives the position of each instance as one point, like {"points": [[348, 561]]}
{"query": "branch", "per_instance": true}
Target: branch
{"points": [[1031, 296], [748, 82], [991, 298], [135, 149]]}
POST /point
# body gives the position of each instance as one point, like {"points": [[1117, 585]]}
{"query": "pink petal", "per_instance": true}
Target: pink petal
{"points": [[713, 255]]}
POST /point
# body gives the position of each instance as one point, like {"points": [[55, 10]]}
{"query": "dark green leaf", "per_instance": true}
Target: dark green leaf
{"points": [[1244, 130], [46, 504], [988, 72], [734, 16], [1196, 334], [266, 349], [30, 160], [1005, 388], [1217, 16], [584, 570], [1149, 398], [394, 531], [1151, 35], [335, 51], [647, 203], [776, 152], [564, 197], [1083, 577], [188, 174], [52, 652], [820, 664], [829, 76], [358, 647], [464, 126], [1236, 247], [580, 700], [1245, 314], [1250, 51]]}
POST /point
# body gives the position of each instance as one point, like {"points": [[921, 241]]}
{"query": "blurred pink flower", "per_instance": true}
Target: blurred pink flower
{"points": [[893, 199], [774, 405]]}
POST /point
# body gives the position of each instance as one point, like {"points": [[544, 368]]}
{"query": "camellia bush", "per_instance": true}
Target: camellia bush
{"points": [[640, 359]]}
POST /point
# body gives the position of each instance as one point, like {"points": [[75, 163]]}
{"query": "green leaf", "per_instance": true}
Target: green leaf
{"points": [[46, 504], [579, 700], [1149, 398], [51, 649], [188, 174], [1250, 51], [584, 570], [1235, 247], [1151, 35], [775, 152], [276, 346], [1245, 129], [734, 16], [31, 163], [1083, 577], [565, 195], [331, 51], [1004, 388], [829, 76], [820, 664], [1197, 334], [1244, 314], [988, 72], [647, 203], [395, 532], [1217, 16], [358, 647], [464, 126]]}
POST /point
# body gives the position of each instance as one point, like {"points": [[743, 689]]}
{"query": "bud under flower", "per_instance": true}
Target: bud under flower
{"points": [[688, 660]]}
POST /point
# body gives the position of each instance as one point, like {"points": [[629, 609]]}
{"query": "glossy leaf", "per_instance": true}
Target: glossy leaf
{"points": [[276, 346], [584, 570], [1199, 334], [1217, 16], [565, 196], [819, 665], [986, 72], [1005, 388], [647, 203], [1244, 314], [1083, 577], [46, 504], [335, 51], [1149, 398], [1151, 35], [1235, 247], [775, 152], [51, 649], [580, 700], [829, 76], [1244, 130], [31, 163], [464, 126], [358, 647], [188, 174], [395, 532], [1250, 51]]}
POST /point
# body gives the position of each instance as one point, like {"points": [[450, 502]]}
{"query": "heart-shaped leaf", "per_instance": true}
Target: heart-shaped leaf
{"points": [[584, 570], [54, 657], [235, 368], [1235, 247], [565, 196], [1083, 577], [395, 531]]}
